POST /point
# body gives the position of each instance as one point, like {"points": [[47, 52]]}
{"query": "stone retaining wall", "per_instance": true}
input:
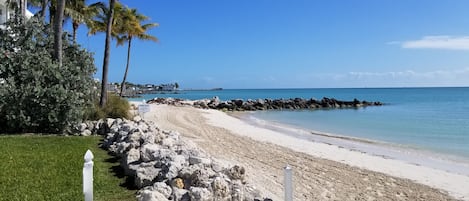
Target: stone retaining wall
{"points": [[164, 166]]}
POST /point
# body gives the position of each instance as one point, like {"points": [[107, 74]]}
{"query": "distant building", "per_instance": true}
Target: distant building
{"points": [[7, 11], [168, 87]]}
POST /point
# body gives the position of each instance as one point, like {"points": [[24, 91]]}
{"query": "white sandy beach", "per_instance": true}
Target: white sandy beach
{"points": [[321, 171]]}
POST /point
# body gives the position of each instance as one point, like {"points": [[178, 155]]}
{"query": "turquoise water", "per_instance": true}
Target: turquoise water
{"points": [[434, 119]]}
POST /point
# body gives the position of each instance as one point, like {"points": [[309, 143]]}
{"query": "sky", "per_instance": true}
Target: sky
{"points": [[295, 44]]}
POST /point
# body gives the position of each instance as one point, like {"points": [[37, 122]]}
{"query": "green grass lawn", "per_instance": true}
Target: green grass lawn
{"points": [[50, 168]]}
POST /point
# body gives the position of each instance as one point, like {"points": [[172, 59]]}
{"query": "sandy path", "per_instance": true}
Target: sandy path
{"points": [[314, 178]]}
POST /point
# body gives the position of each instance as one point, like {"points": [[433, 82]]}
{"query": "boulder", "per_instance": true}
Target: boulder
{"points": [[137, 118], [220, 188], [85, 132], [181, 195], [193, 160], [146, 174], [149, 195], [148, 151], [200, 194], [162, 188], [237, 173], [82, 127]]}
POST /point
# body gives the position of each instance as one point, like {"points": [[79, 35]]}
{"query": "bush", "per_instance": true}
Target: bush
{"points": [[116, 107], [37, 95]]}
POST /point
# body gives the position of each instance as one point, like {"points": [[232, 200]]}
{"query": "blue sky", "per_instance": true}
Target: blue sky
{"points": [[296, 43]]}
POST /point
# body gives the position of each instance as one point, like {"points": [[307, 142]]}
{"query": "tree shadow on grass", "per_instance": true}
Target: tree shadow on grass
{"points": [[119, 172]]}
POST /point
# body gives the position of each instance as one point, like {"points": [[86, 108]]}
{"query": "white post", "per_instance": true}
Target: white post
{"points": [[88, 176], [142, 113], [288, 184]]}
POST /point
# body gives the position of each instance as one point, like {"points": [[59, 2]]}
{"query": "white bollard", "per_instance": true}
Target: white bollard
{"points": [[88, 176], [288, 184]]}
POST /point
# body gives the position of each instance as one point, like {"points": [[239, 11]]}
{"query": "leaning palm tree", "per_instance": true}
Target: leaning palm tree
{"points": [[107, 53], [130, 27]]}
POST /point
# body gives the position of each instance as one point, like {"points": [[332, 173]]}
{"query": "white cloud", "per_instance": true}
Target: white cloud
{"points": [[437, 42]]}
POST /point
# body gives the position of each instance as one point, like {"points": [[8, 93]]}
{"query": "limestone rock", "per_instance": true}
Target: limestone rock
{"points": [[193, 160], [237, 172], [200, 194], [220, 188], [162, 188], [85, 132], [137, 118], [146, 174], [148, 195], [178, 183], [181, 195]]}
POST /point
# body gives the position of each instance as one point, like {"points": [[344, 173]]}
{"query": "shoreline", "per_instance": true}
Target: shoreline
{"points": [[454, 183], [411, 155], [266, 151]]}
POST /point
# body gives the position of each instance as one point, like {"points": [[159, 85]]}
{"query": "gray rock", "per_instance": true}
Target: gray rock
{"points": [[86, 132], [237, 191], [154, 152], [121, 148], [199, 160], [137, 118], [82, 127], [132, 157], [181, 195], [200, 194], [148, 138], [148, 195], [146, 174], [237, 173], [143, 127], [162, 188], [220, 188], [168, 142], [217, 167], [126, 127]]}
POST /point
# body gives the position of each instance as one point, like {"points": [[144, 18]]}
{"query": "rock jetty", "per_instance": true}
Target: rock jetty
{"points": [[164, 166], [268, 104]]}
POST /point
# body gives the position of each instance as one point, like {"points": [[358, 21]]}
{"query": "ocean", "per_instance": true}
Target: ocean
{"points": [[424, 120]]}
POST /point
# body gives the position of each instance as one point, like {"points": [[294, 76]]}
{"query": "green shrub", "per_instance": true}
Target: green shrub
{"points": [[116, 107], [36, 94], [93, 112]]}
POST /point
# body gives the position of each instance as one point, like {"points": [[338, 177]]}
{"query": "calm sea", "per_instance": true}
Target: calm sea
{"points": [[430, 119]]}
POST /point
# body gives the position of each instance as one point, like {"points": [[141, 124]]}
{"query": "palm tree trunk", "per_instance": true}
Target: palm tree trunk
{"points": [[43, 8], [107, 52], [58, 22], [126, 67], [75, 26]]}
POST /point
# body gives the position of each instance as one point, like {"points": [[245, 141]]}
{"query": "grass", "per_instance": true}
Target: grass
{"points": [[50, 168]]}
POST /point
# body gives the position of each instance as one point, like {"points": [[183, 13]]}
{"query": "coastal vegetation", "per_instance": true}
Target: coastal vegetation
{"points": [[47, 78], [39, 94]]}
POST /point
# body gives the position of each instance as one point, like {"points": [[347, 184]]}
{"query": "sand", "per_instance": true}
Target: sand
{"points": [[321, 171]]}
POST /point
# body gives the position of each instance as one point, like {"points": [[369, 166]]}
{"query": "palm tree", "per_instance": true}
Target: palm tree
{"points": [[41, 4], [99, 22], [80, 13], [128, 28], [107, 53], [58, 22]]}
